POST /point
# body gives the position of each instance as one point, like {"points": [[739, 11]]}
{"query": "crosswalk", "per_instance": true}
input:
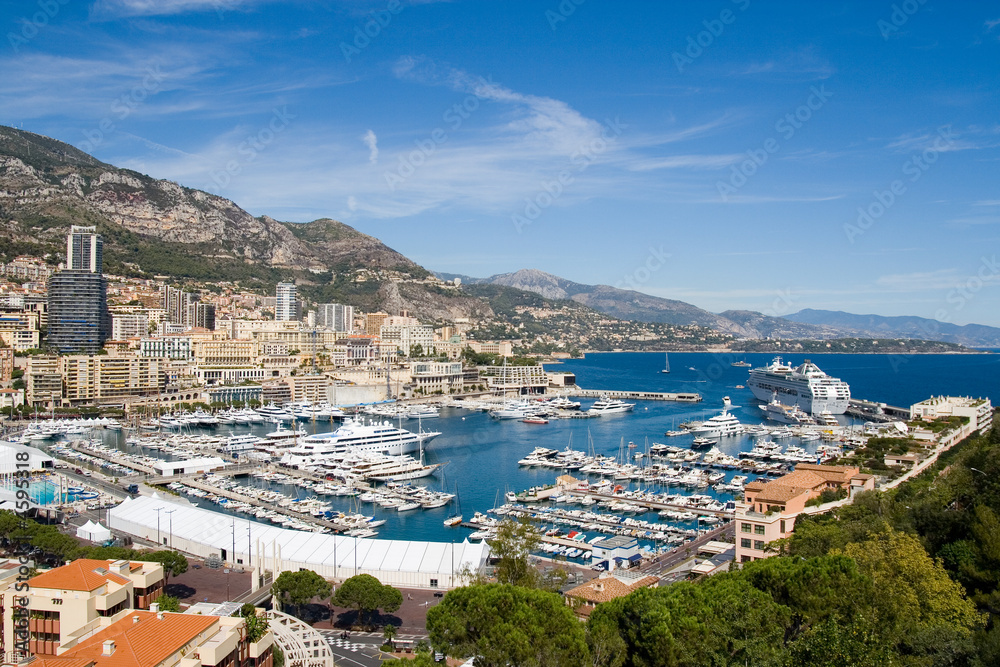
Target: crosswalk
{"points": [[347, 644]]}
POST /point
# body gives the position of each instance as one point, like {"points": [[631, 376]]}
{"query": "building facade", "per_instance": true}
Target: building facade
{"points": [[285, 305]]}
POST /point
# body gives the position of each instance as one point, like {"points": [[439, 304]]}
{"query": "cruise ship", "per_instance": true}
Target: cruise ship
{"points": [[356, 437], [805, 386]]}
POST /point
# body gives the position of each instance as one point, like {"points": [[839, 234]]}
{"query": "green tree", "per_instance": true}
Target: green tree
{"points": [[256, 625], [366, 594], [389, 633], [915, 593], [514, 543], [168, 603], [173, 562], [504, 625], [298, 588]]}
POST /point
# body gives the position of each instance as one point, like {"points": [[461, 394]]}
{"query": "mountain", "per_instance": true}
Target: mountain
{"points": [[153, 226], [922, 328], [620, 303]]}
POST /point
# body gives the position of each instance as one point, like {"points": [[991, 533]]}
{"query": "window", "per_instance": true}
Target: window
{"points": [[782, 526], [744, 559], [434, 583], [745, 543], [758, 544], [759, 530], [745, 527]]}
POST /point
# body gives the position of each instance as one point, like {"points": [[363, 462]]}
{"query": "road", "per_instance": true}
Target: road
{"points": [[669, 561]]}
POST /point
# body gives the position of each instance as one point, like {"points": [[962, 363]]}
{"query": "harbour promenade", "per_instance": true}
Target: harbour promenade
{"points": [[680, 397]]}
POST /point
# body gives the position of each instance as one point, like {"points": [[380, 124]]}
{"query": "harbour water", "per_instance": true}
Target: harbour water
{"points": [[482, 454]]}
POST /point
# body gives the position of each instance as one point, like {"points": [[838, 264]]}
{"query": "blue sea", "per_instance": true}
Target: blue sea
{"points": [[482, 453]]}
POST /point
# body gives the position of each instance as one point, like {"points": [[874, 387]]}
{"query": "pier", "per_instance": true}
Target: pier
{"points": [[878, 412], [652, 505], [682, 397]]}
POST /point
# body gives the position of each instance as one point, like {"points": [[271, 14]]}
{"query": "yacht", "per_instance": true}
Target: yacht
{"points": [[777, 411], [563, 403], [517, 410], [722, 424], [356, 436], [384, 468], [240, 443], [606, 406], [743, 363], [805, 385]]}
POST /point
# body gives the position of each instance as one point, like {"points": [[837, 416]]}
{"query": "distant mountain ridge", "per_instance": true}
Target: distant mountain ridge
{"points": [[806, 324], [903, 326]]}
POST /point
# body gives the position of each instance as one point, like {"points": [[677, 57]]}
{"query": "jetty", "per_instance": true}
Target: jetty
{"points": [[877, 412], [679, 397]]}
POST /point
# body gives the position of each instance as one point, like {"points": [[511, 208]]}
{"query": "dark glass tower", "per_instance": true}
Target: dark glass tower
{"points": [[79, 321]]}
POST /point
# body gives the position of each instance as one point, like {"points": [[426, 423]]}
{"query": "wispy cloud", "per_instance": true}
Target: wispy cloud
{"points": [[110, 9], [921, 280], [687, 162], [371, 141]]}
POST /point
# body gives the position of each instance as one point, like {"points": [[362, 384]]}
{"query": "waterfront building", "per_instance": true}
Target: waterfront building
{"points": [[516, 379], [431, 377], [285, 305], [769, 509], [979, 411], [617, 551], [70, 603], [100, 378]]}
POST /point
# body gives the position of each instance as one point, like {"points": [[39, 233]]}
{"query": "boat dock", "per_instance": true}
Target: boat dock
{"points": [[80, 446], [652, 505], [878, 412], [682, 397]]}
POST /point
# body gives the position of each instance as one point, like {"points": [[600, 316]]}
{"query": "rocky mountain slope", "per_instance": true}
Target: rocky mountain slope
{"points": [[159, 227]]}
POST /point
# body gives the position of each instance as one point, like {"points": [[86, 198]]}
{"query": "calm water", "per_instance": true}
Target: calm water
{"points": [[482, 453]]}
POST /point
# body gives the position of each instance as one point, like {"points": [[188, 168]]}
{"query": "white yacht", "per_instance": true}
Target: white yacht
{"points": [[357, 437], [605, 406], [383, 468], [785, 414], [516, 410], [805, 385], [240, 443], [722, 424], [563, 403]]}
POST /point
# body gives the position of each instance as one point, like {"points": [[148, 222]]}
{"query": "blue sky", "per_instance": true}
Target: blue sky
{"points": [[732, 154]]}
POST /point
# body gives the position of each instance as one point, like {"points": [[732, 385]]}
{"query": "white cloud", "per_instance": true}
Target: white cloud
{"points": [[371, 141], [107, 9]]}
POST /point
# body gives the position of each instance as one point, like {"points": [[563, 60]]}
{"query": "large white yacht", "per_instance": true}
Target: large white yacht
{"points": [[605, 406], [806, 386], [720, 425], [356, 436]]}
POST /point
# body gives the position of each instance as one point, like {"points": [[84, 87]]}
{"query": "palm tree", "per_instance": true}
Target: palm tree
{"points": [[389, 633]]}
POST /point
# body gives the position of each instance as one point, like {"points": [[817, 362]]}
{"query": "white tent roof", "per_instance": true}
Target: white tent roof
{"points": [[205, 531]]}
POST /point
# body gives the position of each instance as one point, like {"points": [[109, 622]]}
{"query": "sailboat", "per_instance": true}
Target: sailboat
{"points": [[666, 363], [455, 519]]}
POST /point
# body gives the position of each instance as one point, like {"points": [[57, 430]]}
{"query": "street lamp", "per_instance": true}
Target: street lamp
{"points": [[158, 510], [171, 513]]}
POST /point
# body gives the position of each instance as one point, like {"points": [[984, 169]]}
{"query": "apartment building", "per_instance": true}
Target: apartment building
{"points": [[516, 379], [431, 377], [97, 378], [769, 509], [157, 639], [69, 603], [978, 410]]}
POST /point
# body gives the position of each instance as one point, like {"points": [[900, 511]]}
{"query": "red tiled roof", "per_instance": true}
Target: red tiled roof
{"points": [[82, 574], [144, 644]]}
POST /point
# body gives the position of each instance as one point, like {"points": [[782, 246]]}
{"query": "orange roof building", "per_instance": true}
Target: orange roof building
{"points": [[71, 601], [605, 588]]}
